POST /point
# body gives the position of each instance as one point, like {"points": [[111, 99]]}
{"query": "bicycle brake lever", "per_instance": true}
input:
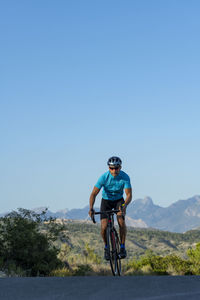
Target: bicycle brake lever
{"points": [[93, 219]]}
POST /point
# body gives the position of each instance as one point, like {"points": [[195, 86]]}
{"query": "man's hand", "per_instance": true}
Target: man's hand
{"points": [[123, 209], [91, 212]]}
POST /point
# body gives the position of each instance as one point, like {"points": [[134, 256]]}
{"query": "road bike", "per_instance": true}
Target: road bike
{"points": [[113, 242]]}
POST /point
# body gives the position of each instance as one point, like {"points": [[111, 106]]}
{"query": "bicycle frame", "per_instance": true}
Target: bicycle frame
{"points": [[111, 221]]}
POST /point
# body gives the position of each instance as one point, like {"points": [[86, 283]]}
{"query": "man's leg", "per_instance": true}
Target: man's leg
{"points": [[104, 223], [104, 220], [122, 232], [122, 229], [105, 205]]}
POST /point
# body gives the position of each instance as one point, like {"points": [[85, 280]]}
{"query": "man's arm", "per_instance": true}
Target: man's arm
{"points": [[128, 199], [92, 199], [128, 196]]}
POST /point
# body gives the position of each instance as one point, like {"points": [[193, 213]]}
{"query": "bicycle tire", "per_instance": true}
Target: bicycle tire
{"points": [[118, 251], [114, 257], [109, 245]]}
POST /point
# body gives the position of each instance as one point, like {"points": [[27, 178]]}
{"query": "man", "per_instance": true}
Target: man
{"points": [[114, 183]]}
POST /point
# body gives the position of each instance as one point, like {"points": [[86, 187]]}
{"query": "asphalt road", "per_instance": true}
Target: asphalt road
{"points": [[129, 287]]}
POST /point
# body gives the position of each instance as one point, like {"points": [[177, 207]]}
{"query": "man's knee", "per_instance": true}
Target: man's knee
{"points": [[121, 221], [104, 223]]}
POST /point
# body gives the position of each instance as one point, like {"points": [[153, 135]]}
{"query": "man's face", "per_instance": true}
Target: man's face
{"points": [[114, 170]]}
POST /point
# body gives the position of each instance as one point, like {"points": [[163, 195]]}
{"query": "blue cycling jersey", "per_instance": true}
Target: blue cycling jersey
{"points": [[113, 187]]}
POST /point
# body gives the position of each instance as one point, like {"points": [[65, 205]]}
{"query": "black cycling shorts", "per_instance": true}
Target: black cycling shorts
{"points": [[110, 204]]}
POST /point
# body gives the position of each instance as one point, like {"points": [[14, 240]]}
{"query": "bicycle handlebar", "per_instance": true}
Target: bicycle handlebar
{"points": [[108, 212]]}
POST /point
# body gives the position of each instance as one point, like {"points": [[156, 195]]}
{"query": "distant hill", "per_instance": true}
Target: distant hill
{"points": [[77, 233]]}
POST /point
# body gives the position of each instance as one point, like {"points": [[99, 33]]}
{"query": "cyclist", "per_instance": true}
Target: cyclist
{"points": [[114, 183]]}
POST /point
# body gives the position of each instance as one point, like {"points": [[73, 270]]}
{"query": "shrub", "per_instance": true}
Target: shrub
{"points": [[62, 272], [83, 270], [24, 247], [194, 258], [90, 255], [158, 265]]}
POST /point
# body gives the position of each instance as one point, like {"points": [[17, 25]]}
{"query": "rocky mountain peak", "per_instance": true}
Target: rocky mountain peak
{"points": [[147, 201]]}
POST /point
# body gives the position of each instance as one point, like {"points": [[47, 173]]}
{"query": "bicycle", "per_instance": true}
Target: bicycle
{"points": [[113, 243]]}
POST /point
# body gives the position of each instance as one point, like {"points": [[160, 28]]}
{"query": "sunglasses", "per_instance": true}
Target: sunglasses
{"points": [[115, 168]]}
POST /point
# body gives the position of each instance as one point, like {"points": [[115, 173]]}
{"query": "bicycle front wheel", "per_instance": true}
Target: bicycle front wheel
{"points": [[115, 262], [117, 252], [109, 244]]}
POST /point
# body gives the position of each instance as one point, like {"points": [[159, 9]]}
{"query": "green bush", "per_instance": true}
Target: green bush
{"points": [[158, 265], [62, 272], [83, 270], [78, 270], [194, 258], [24, 247], [90, 255]]}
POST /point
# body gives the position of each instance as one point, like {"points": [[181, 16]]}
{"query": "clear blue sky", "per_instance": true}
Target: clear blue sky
{"points": [[81, 81]]}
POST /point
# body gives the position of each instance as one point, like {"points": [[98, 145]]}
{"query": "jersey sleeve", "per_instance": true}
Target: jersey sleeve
{"points": [[100, 182], [127, 184]]}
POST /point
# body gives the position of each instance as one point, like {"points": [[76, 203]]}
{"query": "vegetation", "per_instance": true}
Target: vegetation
{"points": [[163, 243], [150, 251], [33, 245], [158, 265]]}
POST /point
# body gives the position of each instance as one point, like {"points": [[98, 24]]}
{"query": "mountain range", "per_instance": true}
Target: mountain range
{"points": [[180, 216]]}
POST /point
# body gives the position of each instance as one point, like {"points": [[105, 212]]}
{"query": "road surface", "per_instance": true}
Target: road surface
{"points": [[105, 287]]}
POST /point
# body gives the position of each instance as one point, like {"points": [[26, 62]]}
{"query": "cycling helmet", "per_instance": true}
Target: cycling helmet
{"points": [[114, 161]]}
